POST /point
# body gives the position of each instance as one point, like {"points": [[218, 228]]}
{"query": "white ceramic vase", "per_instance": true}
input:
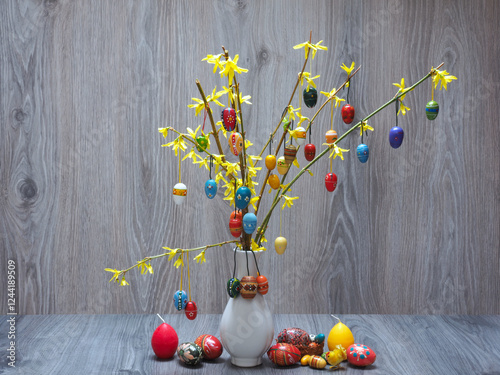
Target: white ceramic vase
{"points": [[246, 327]]}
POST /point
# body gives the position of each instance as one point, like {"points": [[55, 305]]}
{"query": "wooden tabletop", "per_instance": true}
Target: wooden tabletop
{"points": [[121, 344]]}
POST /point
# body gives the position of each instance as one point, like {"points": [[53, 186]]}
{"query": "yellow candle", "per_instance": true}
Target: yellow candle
{"points": [[340, 335]]}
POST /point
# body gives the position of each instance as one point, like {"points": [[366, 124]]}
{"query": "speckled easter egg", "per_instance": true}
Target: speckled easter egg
{"points": [[191, 310], [396, 135], [360, 355], [228, 117], [235, 143], [249, 223], [262, 284], [362, 152], [233, 287], [282, 165], [347, 113], [248, 287], [179, 193], [210, 188], [270, 162], [211, 346], [331, 181], [310, 97], [309, 151], [242, 197], [180, 299], [283, 354], [280, 244], [190, 353], [432, 110], [331, 136], [201, 143], [301, 135]]}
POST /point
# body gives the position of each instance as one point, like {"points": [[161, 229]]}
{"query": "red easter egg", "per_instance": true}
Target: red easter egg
{"points": [[331, 181], [235, 226], [347, 113], [228, 117], [263, 284], [309, 151], [211, 346], [164, 341], [360, 355], [191, 310], [284, 354]]}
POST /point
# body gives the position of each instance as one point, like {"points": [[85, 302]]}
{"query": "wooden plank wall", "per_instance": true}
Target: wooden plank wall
{"points": [[84, 86]]}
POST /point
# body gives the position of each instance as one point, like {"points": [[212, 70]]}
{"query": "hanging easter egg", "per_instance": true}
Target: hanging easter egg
{"points": [[340, 334], [236, 214], [362, 152], [164, 341], [235, 141], [301, 135], [228, 117], [432, 110], [282, 165], [317, 362], [180, 192], [262, 284], [190, 353], [360, 355], [248, 287], [242, 197], [180, 299], [235, 226], [331, 181], [280, 245], [210, 188], [270, 162], [309, 151], [201, 143], [347, 113], [290, 153], [310, 97], [211, 346], [273, 181], [249, 223], [331, 136], [283, 354], [191, 310], [233, 287], [396, 135]]}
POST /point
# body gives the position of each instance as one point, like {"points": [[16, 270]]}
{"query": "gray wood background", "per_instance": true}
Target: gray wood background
{"points": [[85, 185]]}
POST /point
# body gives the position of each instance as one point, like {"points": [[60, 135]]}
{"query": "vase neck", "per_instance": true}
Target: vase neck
{"points": [[241, 257]]}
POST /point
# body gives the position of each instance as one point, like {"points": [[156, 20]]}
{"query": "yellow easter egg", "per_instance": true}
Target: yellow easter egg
{"points": [[270, 162], [273, 181], [340, 335], [280, 245], [304, 361]]}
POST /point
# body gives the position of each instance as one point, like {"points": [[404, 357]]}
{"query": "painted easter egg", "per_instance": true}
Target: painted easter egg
{"points": [[191, 310], [179, 193], [280, 244], [317, 362], [249, 223], [432, 110], [236, 214], [235, 141], [331, 181], [273, 181], [235, 226], [396, 135], [309, 151], [362, 152], [201, 143], [211, 346], [360, 355], [347, 113], [290, 153], [242, 197], [262, 285], [301, 135], [331, 136], [310, 97], [282, 165], [190, 353], [319, 338], [233, 287], [164, 341], [283, 354], [228, 117], [210, 188], [340, 334], [295, 336], [304, 361], [270, 162], [180, 299], [248, 287]]}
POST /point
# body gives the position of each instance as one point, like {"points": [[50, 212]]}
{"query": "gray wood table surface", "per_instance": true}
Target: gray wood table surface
{"points": [[120, 344]]}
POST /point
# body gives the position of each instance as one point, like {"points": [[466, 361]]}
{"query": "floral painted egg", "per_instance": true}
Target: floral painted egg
{"points": [[270, 162], [290, 153], [432, 110], [191, 310], [164, 341], [273, 181], [180, 192], [201, 143], [228, 117], [242, 197], [360, 355], [362, 152], [211, 346], [282, 165], [233, 287], [235, 141], [235, 226], [310, 97], [396, 135], [331, 181], [317, 362], [190, 353], [347, 113], [180, 299], [210, 188], [309, 151], [283, 354], [262, 284], [249, 223], [248, 287], [331, 136], [280, 244], [301, 135]]}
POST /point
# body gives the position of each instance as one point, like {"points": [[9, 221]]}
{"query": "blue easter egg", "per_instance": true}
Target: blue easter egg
{"points": [[180, 299], [363, 152], [396, 136], [249, 223], [242, 197], [210, 188]]}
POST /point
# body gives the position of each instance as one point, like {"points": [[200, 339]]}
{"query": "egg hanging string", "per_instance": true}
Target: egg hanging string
{"points": [[179, 151], [256, 265], [362, 122], [189, 277], [211, 165], [432, 90], [397, 109]]}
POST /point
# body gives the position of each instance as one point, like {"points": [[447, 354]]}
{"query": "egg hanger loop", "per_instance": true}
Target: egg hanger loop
{"points": [[362, 131], [189, 277], [234, 262], [256, 265], [309, 131], [211, 165], [397, 109], [248, 269]]}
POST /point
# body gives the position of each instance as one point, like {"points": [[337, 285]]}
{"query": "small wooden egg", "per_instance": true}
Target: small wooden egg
{"points": [[432, 110], [249, 223], [396, 135], [242, 197], [331, 136], [164, 341], [360, 355], [309, 151], [235, 226], [280, 245], [301, 135], [233, 287], [179, 192], [201, 143], [210, 188], [248, 287], [310, 97], [211, 346], [262, 285], [363, 152], [282, 165], [235, 141], [190, 353], [283, 354], [191, 310], [228, 117], [317, 362], [270, 162], [180, 299], [347, 113], [304, 361], [290, 153], [273, 181], [331, 181]]}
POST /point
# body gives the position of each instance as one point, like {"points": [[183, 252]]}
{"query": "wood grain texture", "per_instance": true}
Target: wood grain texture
{"points": [[85, 184]]}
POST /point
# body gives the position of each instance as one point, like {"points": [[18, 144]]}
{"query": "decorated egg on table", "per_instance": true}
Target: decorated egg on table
{"points": [[270, 162], [290, 153], [273, 181], [210, 345], [347, 113], [180, 299], [331, 181], [280, 244], [432, 110], [164, 341], [179, 193], [233, 287], [283, 354], [309, 151], [304, 361], [191, 310], [248, 287], [282, 165], [340, 334], [190, 353], [210, 188], [235, 226], [363, 152], [262, 284], [310, 97], [249, 223], [235, 141], [228, 117], [202, 143], [360, 355], [396, 135], [331, 136], [317, 362], [242, 197], [301, 135]]}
